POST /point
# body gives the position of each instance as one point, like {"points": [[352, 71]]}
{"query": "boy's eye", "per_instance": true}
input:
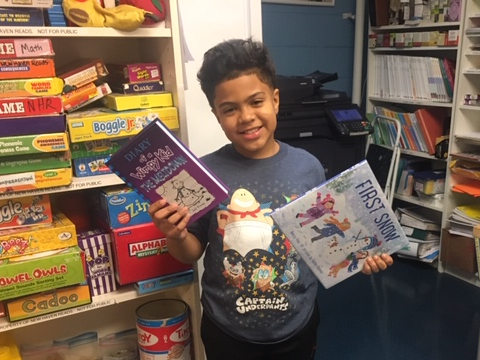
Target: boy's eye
{"points": [[257, 102]]}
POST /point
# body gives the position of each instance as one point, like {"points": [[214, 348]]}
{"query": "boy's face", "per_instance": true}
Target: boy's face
{"points": [[246, 109]]}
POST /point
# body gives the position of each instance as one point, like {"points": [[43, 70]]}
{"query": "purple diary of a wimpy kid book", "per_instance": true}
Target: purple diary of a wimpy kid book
{"points": [[158, 165]]}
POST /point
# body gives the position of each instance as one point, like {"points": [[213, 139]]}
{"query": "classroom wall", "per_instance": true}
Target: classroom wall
{"points": [[303, 39]]}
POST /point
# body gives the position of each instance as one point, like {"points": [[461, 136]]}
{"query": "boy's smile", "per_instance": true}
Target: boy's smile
{"points": [[246, 109]]}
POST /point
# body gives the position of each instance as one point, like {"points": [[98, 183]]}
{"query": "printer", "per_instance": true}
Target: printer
{"points": [[307, 119]]}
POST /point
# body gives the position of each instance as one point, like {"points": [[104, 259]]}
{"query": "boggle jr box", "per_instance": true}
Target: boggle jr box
{"points": [[141, 253]]}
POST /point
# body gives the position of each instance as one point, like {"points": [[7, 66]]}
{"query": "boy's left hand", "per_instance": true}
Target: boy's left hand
{"points": [[376, 263]]}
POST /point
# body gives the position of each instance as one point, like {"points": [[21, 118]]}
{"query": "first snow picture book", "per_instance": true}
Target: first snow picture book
{"points": [[157, 165], [338, 224]]}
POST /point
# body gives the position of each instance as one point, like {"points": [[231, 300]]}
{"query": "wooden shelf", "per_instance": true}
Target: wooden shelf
{"points": [[123, 294], [88, 182], [430, 204], [411, 102], [33, 31]]}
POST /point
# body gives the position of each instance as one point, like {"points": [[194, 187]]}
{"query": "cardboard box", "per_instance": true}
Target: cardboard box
{"points": [[34, 162], [429, 182], [31, 87], [25, 211], [91, 166], [96, 147], [121, 102], [136, 72], [99, 261], [81, 72], [164, 282], [36, 180], [30, 106], [30, 274], [48, 302], [27, 68], [143, 248], [60, 233], [120, 206], [100, 92], [10, 16], [458, 251], [33, 144], [102, 123], [32, 125], [25, 48], [137, 88]]}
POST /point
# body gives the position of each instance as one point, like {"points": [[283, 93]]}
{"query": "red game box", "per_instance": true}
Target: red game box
{"points": [[141, 253], [30, 106]]}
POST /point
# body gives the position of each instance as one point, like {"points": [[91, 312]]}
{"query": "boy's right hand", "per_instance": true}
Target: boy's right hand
{"points": [[170, 219]]}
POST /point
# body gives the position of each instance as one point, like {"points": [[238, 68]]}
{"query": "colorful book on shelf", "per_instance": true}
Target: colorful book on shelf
{"points": [[431, 122], [335, 243], [158, 165]]}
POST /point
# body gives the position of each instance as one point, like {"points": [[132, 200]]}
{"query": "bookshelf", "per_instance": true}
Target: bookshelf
{"points": [[114, 311], [465, 130], [414, 45]]}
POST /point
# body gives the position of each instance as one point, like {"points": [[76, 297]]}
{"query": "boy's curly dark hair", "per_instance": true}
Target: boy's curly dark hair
{"points": [[231, 59]]}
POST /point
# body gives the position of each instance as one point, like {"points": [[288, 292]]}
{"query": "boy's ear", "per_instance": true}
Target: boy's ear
{"points": [[276, 100]]}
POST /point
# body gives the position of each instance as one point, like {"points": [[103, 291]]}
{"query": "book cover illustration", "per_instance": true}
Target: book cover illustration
{"points": [[157, 165], [338, 224]]}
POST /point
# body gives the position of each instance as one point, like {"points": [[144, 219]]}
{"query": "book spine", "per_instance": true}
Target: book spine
{"points": [[25, 48]]}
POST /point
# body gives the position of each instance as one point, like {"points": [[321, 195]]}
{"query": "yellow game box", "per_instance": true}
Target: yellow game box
{"points": [[35, 180], [31, 87], [122, 102], [48, 302], [103, 123], [58, 234]]}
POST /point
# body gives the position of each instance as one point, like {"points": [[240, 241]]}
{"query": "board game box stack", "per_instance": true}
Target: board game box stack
{"points": [[34, 149], [40, 259], [136, 86], [96, 133], [84, 83]]}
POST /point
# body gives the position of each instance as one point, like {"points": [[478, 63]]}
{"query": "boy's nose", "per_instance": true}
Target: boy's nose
{"points": [[247, 114]]}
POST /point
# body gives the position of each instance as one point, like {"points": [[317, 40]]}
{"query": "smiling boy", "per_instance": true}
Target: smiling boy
{"points": [[258, 296]]}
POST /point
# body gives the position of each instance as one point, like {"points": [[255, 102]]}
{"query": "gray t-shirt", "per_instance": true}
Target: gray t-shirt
{"points": [[255, 286]]}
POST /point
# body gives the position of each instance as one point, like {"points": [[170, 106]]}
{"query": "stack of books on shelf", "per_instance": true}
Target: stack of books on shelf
{"points": [[413, 78], [400, 12], [34, 151], [463, 219], [422, 233], [420, 130]]}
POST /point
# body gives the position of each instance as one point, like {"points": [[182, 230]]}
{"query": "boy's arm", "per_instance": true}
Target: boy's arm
{"points": [[172, 222]]}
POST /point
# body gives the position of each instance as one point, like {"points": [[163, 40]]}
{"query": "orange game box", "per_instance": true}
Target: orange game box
{"points": [[27, 68]]}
